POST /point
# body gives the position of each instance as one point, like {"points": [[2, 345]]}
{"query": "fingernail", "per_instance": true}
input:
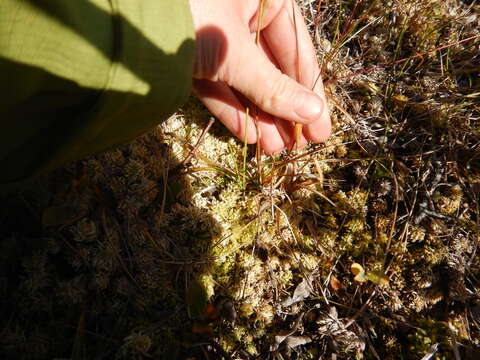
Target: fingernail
{"points": [[309, 106]]}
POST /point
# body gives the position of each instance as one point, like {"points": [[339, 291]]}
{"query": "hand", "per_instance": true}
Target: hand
{"points": [[232, 72]]}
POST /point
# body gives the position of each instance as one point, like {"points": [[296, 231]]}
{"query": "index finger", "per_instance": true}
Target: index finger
{"points": [[291, 45]]}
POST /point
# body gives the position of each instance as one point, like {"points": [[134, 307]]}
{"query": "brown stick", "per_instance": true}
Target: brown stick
{"points": [[198, 143], [298, 127]]}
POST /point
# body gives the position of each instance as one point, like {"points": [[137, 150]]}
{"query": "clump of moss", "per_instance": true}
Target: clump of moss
{"points": [[428, 334]]}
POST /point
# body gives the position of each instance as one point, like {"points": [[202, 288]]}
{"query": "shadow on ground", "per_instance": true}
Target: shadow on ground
{"points": [[97, 258]]}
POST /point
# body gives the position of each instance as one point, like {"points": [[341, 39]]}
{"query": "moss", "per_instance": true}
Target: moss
{"points": [[417, 234], [450, 203], [429, 333]]}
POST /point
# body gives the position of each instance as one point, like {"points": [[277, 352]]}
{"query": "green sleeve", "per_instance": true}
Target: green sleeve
{"points": [[82, 76]]}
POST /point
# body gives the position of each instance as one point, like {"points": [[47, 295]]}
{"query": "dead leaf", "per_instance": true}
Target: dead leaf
{"points": [[278, 339], [358, 272], [302, 291], [291, 342], [294, 341], [356, 269], [282, 335], [336, 284], [400, 99]]}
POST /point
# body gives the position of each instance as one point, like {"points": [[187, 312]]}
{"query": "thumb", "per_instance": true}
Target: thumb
{"points": [[256, 77]]}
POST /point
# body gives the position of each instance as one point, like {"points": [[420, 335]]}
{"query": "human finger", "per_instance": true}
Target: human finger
{"points": [[290, 44], [270, 11], [224, 104], [272, 141], [285, 128], [252, 74], [320, 130]]}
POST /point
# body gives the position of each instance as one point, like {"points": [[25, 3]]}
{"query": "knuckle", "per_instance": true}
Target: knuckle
{"points": [[280, 93]]}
